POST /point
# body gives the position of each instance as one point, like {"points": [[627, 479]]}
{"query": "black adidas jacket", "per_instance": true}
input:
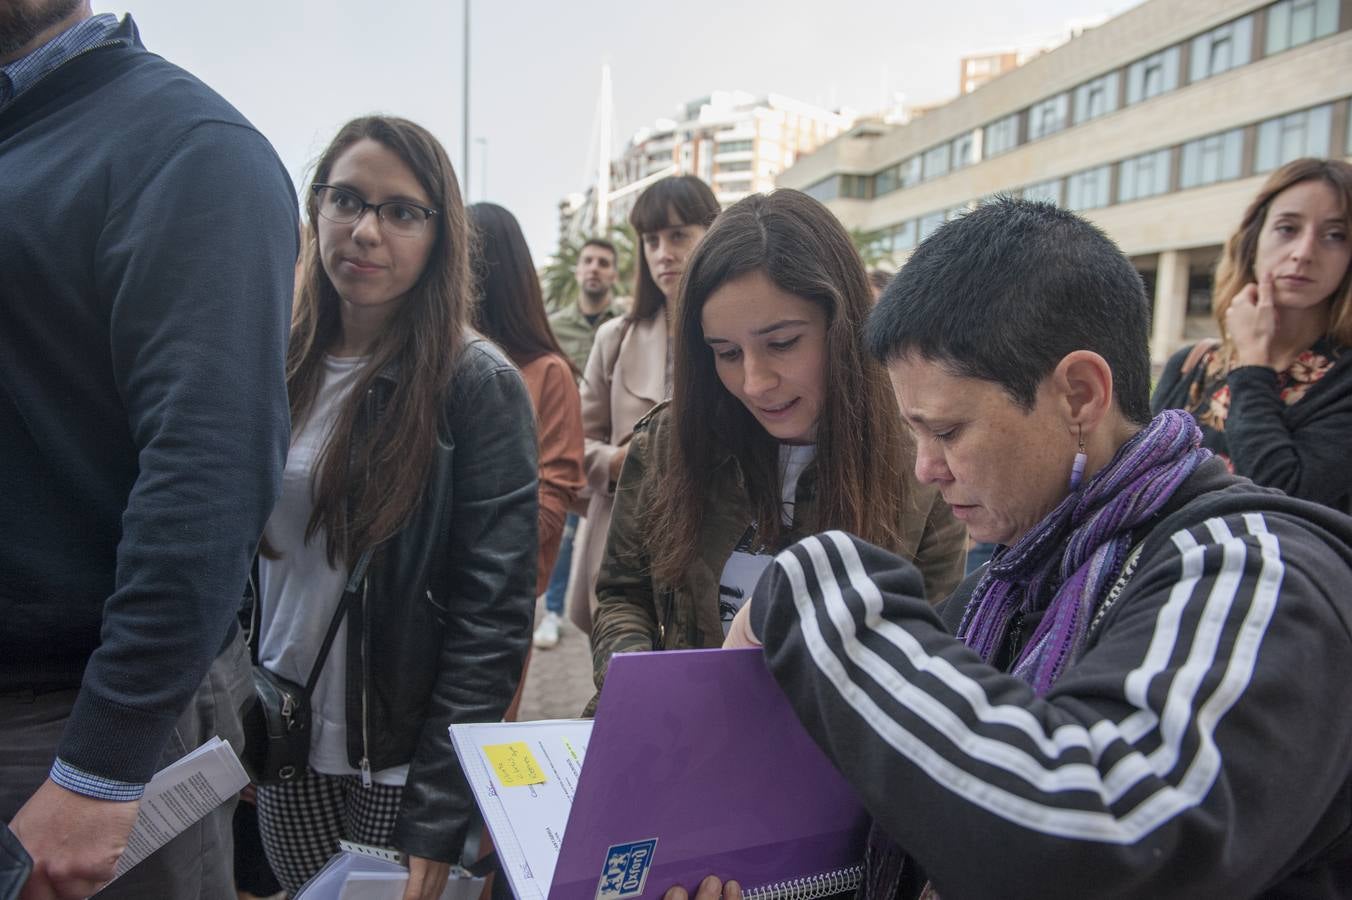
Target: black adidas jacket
{"points": [[1201, 746]]}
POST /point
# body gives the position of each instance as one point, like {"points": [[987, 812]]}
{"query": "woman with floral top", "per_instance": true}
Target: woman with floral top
{"points": [[1274, 395]]}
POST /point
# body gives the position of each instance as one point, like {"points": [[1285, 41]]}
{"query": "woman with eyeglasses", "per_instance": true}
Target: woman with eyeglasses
{"points": [[398, 484]]}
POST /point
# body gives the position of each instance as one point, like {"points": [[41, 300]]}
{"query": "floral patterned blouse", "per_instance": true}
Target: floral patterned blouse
{"points": [[1209, 396], [1290, 430]]}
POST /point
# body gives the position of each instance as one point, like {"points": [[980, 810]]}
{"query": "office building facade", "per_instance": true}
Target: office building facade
{"points": [[1159, 125]]}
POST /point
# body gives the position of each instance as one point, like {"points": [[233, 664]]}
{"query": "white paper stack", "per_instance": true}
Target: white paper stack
{"points": [[180, 795]]}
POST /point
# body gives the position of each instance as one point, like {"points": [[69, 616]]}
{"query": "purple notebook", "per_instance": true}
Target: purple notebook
{"points": [[697, 765]]}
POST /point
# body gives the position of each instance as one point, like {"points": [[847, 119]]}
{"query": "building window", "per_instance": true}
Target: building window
{"points": [[1144, 176], [1048, 117], [930, 223], [825, 190], [966, 149], [1088, 189], [1291, 23], [1001, 137], [1211, 159], [936, 162], [735, 187], [1221, 49], [1153, 75], [887, 181], [1096, 98], [736, 146], [903, 236], [1305, 133], [910, 172], [1044, 191], [855, 187], [741, 166]]}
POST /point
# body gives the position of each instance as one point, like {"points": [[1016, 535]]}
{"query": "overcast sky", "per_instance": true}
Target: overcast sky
{"points": [[300, 68]]}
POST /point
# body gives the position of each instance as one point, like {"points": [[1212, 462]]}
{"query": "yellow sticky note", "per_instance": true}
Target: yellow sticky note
{"points": [[515, 764]]}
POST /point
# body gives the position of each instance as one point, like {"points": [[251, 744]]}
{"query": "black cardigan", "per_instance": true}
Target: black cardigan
{"points": [[1302, 448]]}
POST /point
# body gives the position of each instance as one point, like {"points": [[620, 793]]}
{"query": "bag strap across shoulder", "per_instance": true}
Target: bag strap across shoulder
{"points": [[349, 596], [1197, 353]]}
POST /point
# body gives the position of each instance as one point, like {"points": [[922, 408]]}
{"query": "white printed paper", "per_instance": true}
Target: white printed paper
{"points": [[180, 795], [527, 821]]}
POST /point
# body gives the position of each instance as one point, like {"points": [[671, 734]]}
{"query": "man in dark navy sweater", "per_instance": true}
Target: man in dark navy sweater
{"points": [[147, 239]]}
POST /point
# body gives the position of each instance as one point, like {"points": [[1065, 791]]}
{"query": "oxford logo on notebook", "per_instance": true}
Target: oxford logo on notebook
{"points": [[626, 870]]}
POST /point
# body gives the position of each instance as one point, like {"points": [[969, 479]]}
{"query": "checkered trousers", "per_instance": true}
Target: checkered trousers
{"points": [[302, 821]]}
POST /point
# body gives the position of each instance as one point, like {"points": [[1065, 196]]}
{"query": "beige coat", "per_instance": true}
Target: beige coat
{"points": [[622, 382]]}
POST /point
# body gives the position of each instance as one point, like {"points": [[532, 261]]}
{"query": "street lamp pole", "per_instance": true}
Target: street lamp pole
{"points": [[483, 167], [464, 107]]}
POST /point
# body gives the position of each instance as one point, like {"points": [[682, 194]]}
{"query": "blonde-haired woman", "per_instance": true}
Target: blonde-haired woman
{"points": [[1274, 396]]}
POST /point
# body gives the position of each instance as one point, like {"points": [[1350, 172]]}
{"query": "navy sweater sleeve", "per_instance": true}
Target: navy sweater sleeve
{"points": [[198, 261]]}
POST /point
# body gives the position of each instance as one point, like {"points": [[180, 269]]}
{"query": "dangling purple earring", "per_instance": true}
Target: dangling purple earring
{"points": [[1077, 468]]}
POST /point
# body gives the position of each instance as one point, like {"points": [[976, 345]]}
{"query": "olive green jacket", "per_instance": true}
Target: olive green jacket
{"points": [[634, 612], [575, 334]]}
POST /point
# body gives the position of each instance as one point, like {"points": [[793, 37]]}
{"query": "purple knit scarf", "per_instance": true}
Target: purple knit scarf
{"points": [[1074, 554]]}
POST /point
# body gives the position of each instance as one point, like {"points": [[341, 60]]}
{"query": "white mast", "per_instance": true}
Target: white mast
{"points": [[603, 165]]}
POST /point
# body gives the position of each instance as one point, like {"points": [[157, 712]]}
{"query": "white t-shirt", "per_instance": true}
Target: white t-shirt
{"points": [[745, 566], [300, 590]]}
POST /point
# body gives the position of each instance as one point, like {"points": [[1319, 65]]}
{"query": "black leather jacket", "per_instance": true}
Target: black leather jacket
{"points": [[447, 603]]}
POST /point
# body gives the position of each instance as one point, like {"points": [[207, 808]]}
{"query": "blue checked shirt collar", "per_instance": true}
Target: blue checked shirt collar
{"points": [[27, 71]]}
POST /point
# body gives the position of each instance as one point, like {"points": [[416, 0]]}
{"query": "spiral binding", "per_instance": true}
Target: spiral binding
{"points": [[810, 887]]}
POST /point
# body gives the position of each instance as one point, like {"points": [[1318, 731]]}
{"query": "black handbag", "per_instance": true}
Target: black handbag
{"points": [[277, 725]]}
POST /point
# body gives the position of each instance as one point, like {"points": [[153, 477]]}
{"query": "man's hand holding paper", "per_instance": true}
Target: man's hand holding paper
{"points": [[75, 841]]}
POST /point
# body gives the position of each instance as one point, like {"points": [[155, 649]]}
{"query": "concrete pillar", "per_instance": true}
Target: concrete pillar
{"points": [[1171, 305]]}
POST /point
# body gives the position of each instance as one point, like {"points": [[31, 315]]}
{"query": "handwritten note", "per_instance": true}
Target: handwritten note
{"points": [[514, 764]]}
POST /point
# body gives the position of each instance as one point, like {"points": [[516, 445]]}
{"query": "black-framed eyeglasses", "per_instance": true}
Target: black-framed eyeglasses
{"points": [[398, 216]]}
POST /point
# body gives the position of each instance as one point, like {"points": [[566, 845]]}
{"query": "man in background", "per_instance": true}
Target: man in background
{"points": [[575, 328], [147, 237]]}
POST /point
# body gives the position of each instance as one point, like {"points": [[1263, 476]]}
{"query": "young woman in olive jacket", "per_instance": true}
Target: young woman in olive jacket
{"points": [[779, 426], [391, 453]]}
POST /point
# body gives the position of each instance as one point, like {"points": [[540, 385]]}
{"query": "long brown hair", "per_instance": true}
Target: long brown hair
{"points": [[861, 443], [1235, 269], [509, 308], [368, 482], [678, 200]]}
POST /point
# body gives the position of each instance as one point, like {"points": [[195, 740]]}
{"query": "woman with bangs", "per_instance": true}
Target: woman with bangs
{"points": [[779, 426], [1274, 396], [629, 369], [399, 562]]}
